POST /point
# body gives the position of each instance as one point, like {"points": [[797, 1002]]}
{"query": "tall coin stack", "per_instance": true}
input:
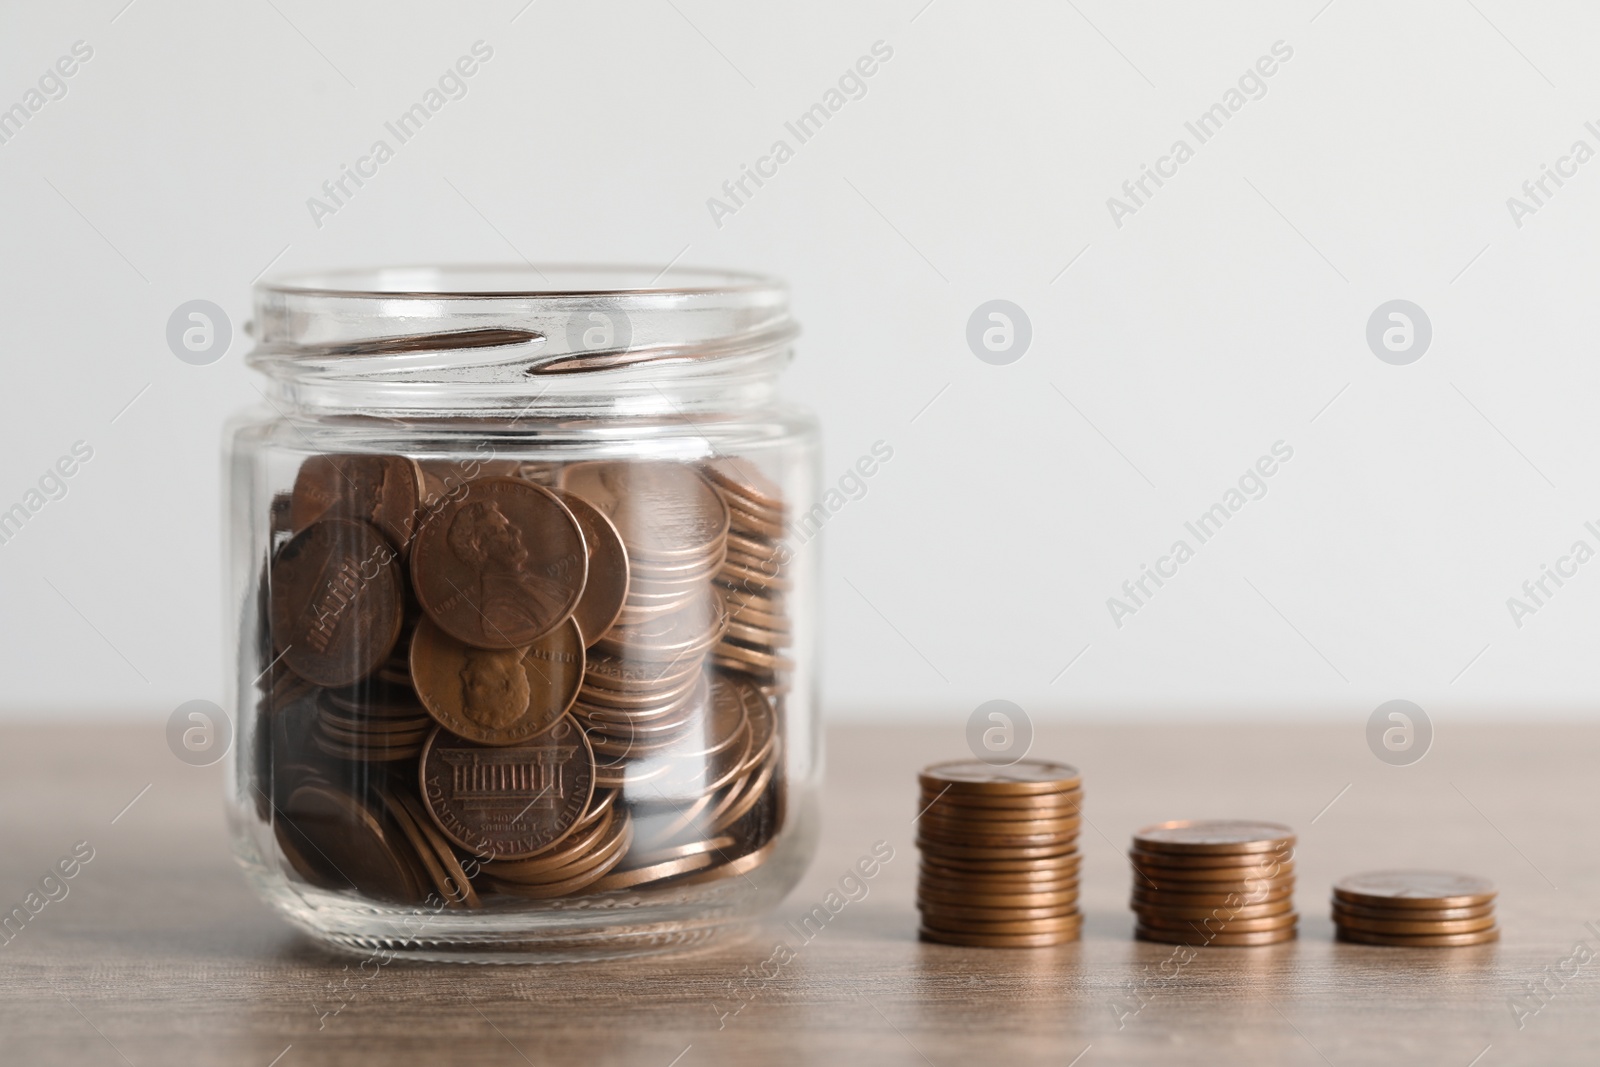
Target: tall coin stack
{"points": [[999, 854], [1214, 882], [1419, 909], [751, 580]]}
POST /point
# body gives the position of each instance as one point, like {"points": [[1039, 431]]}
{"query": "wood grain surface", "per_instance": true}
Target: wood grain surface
{"points": [[159, 953]]}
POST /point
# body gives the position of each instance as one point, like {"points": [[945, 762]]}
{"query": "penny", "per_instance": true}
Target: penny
{"points": [[744, 480], [1415, 889], [663, 511], [1214, 836], [956, 880], [1163, 899], [659, 856], [508, 802], [382, 490], [578, 876], [640, 876], [1481, 937], [1045, 940], [1201, 939], [1147, 872], [1210, 861], [1342, 908], [457, 885], [606, 585], [975, 833], [336, 602], [1223, 912], [930, 894], [1016, 926], [936, 848], [337, 833], [1220, 926], [502, 565], [1402, 926], [1066, 861], [1026, 777], [735, 868], [962, 913], [497, 696], [421, 851], [551, 865]]}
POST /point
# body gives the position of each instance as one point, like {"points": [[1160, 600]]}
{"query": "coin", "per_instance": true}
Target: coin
{"points": [[1065, 861], [337, 833], [336, 604], [664, 511], [1026, 777], [1414, 889], [742, 478], [1150, 873], [497, 696], [500, 566], [1214, 836], [659, 872], [993, 827], [1480, 937], [382, 490], [1159, 898], [1342, 908], [1221, 926], [1224, 912], [1045, 940], [1201, 939], [606, 585], [509, 802], [1064, 923], [1005, 853], [1210, 861], [1045, 804], [1402, 926]]}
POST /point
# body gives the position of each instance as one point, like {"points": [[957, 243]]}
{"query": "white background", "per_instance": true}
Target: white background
{"points": [[1227, 314]]}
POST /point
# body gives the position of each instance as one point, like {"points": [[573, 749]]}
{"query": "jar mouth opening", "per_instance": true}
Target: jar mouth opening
{"points": [[521, 282]]}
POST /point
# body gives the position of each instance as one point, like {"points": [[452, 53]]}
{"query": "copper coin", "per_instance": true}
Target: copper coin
{"points": [[1342, 908], [1064, 923], [944, 819], [742, 478], [940, 837], [624, 675], [933, 894], [382, 490], [497, 696], [421, 851], [1209, 861], [664, 511], [975, 805], [1067, 861], [1415, 889], [1214, 836], [1028, 777], [338, 834], [671, 637], [502, 565], [1202, 939], [579, 876], [1155, 921], [1045, 940], [336, 602], [1223, 913], [667, 854], [1163, 898], [1144, 872], [962, 852], [639, 877], [549, 865], [1414, 926], [962, 912], [966, 881], [606, 587], [1481, 937], [457, 885], [509, 802]]}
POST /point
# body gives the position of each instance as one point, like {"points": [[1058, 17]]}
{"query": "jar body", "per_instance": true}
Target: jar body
{"points": [[531, 688]]}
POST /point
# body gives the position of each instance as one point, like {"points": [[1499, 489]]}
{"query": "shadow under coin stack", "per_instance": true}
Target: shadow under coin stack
{"points": [[999, 854], [1419, 909], [493, 681], [1214, 882]]}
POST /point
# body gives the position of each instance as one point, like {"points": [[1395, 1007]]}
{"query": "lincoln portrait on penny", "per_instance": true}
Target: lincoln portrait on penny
{"points": [[494, 687], [515, 603]]}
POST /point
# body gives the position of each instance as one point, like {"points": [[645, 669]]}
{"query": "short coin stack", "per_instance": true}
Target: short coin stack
{"points": [[1214, 882], [999, 854], [1420, 909]]}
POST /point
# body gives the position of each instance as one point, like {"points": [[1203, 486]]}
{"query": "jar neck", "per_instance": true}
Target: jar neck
{"points": [[590, 342]]}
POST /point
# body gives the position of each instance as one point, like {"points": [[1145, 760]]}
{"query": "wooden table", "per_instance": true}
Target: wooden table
{"points": [[159, 954]]}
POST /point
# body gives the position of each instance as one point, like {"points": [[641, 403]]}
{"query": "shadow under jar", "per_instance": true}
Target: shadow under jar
{"points": [[524, 617]]}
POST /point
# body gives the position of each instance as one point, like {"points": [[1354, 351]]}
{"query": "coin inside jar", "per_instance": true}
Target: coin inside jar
{"points": [[382, 490], [501, 565], [336, 605], [497, 696]]}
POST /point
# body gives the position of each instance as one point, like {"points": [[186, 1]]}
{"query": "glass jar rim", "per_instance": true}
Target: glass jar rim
{"points": [[487, 281]]}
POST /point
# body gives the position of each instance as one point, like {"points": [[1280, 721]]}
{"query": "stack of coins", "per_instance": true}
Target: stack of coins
{"points": [[1214, 882], [999, 854], [492, 678], [1419, 909], [752, 581]]}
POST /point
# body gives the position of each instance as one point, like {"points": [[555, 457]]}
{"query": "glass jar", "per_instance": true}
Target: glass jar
{"points": [[524, 647]]}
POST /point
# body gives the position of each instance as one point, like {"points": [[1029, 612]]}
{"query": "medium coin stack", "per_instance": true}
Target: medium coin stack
{"points": [[492, 677], [999, 854], [1419, 909], [1214, 882], [752, 581]]}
